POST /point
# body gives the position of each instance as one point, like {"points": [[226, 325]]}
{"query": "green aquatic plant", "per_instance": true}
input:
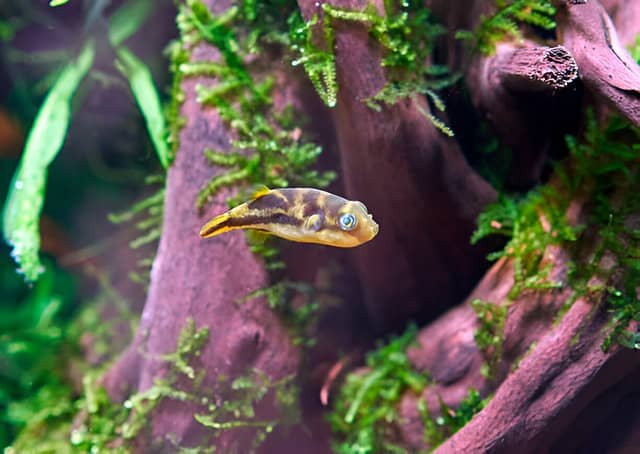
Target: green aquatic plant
{"points": [[407, 32], [505, 22], [269, 148], [90, 421], [24, 203], [146, 217], [489, 336], [366, 406], [46, 348], [438, 429], [319, 64], [238, 410], [532, 223], [33, 335], [600, 163]]}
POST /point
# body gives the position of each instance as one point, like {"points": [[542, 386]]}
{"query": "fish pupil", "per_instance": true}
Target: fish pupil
{"points": [[347, 221]]}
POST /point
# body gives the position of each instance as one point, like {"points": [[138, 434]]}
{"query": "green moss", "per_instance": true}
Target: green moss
{"points": [[33, 337], [366, 407], [319, 64], [146, 217], [533, 223], [190, 342], [438, 429], [489, 336], [297, 316], [178, 57], [366, 410], [600, 165], [407, 32], [505, 22], [238, 411], [91, 422], [106, 421], [47, 414]]}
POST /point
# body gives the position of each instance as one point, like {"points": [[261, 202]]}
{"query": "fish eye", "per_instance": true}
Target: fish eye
{"points": [[347, 222]]}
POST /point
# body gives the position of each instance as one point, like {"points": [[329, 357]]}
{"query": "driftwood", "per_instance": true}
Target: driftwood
{"points": [[540, 406], [409, 174], [204, 281], [426, 197]]}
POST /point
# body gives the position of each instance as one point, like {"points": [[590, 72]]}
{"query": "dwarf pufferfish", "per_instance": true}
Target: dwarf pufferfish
{"points": [[305, 215]]}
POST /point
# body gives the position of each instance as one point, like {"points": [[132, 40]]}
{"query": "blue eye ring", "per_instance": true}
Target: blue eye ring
{"points": [[347, 222]]}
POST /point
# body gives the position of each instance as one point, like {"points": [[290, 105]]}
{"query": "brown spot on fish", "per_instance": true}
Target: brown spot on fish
{"points": [[272, 200], [289, 195], [311, 208]]}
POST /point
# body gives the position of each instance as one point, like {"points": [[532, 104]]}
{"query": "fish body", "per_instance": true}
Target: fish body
{"points": [[305, 215]]}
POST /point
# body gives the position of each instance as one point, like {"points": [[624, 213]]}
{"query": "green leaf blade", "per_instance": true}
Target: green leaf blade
{"points": [[127, 19], [26, 195], [146, 95]]}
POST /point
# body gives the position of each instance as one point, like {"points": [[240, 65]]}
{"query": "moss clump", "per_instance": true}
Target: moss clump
{"points": [[319, 64], [366, 407], [407, 32], [601, 166], [505, 22], [268, 147], [178, 56], [91, 422], [238, 410], [489, 336], [33, 335], [532, 223]]}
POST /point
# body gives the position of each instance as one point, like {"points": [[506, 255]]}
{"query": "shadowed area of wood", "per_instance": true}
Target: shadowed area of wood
{"points": [[415, 180]]}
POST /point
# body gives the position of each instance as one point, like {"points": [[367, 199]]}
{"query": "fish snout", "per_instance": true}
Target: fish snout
{"points": [[374, 228]]}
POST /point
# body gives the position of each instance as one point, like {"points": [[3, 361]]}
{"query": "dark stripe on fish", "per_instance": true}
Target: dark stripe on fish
{"points": [[267, 202], [310, 201], [255, 219]]}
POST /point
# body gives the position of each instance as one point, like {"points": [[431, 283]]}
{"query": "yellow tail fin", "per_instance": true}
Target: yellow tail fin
{"points": [[216, 226]]}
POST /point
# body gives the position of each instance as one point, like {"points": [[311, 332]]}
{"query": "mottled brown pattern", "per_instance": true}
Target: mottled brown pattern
{"points": [[271, 200]]}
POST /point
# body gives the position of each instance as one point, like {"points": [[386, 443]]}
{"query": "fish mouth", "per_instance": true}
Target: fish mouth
{"points": [[375, 228]]}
